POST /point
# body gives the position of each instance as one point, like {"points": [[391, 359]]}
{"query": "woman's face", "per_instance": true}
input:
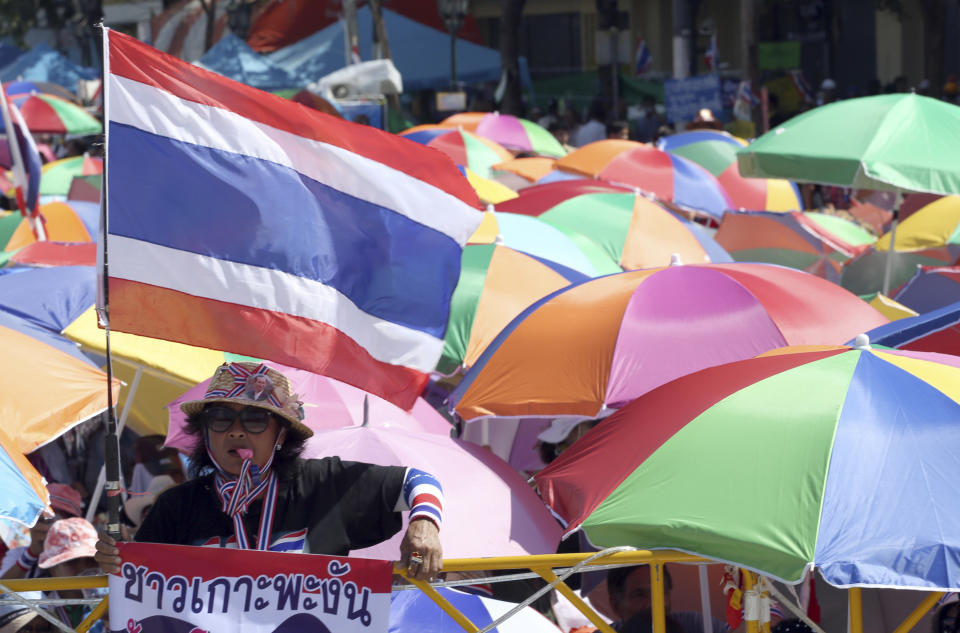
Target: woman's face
{"points": [[223, 445]]}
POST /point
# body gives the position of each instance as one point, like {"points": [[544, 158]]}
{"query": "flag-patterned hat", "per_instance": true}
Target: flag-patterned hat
{"points": [[253, 385]]}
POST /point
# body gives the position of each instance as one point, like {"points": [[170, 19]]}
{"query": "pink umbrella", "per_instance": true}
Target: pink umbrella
{"points": [[489, 509], [511, 439], [327, 404]]}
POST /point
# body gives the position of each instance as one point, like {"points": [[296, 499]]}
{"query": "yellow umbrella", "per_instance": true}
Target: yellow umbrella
{"points": [[889, 308], [489, 191]]}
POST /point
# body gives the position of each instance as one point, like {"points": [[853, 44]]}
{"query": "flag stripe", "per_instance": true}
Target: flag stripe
{"points": [[153, 110], [200, 86], [366, 265], [287, 339], [255, 287]]}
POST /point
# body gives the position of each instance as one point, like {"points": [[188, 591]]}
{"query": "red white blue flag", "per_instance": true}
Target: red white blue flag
{"points": [[712, 57], [162, 588], [643, 58], [244, 222], [19, 152]]}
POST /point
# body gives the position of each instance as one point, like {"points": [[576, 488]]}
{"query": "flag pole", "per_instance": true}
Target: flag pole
{"points": [[111, 441]]}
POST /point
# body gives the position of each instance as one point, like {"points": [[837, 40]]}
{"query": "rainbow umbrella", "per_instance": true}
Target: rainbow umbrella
{"points": [[488, 191], [893, 310], [42, 254], [597, 345], [34, 87], [931, 288], [864, 273], [934, 225], [57, 177], [496, 284], [47, 114], [535, 237], [538, 198], [741, 463], [839, 229], [716, 152], [634, 231], [72, 221], [515, 134], [531, 168], [464, 148], [24, 494], [934, 331], [669, 177]]}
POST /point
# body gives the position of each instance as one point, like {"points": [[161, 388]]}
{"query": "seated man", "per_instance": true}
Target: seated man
{"points": [[631, 601]]}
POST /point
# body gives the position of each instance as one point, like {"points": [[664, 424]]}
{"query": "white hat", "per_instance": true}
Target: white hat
{"points": [[136, 504], [828, 84], [558, 430]]}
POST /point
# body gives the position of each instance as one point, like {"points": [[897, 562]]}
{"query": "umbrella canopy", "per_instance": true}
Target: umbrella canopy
{"points": [[490, 510], [901, 142], [934, 331], [47, 114], [669, 177], [597, 345], [496, 284], [489, 191], [415, 612], [716, 152], [837, 228], [634, 231], [57, 177], [48, 390], [530, 169], [788, 239], [864, 273], [42, 63], [739, 463], [515, 134], [55, 254], [541, 197], [327, 404], [73, 221], [231, 57], [933, 225], [893, 310], [24, 494], [512, 440], [51, 298], [35, 87], [931, 288], [535, 237], [464, 148]]}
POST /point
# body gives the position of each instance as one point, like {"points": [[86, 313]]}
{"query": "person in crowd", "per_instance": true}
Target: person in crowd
{"points": [[561, 132], [69, 551], [595, 129], [21, 562], [137, 506], [650, 123], [560, 435], [631, 601], [16, 618], [152, 460], [946, 619], [247, 460], [619, 130]]}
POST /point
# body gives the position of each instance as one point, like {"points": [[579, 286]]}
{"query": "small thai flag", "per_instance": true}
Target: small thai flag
{"points": [[643, 58], [20, 152], [745, 94], [711, 57], [801, 85], [244, 222]]}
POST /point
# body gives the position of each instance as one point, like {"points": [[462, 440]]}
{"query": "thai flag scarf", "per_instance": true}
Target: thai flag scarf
{"points": [[237, 494]]}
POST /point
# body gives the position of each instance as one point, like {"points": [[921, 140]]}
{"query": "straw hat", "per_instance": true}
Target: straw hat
{"points": [[253, 385]]}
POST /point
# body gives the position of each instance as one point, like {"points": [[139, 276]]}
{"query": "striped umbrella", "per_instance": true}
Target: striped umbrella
{"points": [[933, 225], [864, 273], [741, 463], [669, 177], [57, 177], [488, 191], [73, 221], [34, 87], [24, 494], [716, 152], [931, 287], [541, 197], [47, 114], [519, 135], [599, 344], [464, 148], [934, 331]]}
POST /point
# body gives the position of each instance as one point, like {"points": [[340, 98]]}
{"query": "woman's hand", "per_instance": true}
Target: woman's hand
{"points": [[422, 540], [107, 556]]}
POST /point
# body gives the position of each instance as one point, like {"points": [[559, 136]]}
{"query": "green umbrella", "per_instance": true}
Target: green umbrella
{"points": [[897, 142]]}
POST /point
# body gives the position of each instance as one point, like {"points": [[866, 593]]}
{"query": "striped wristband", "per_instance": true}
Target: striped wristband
{"points": [[423, 496], [26, 560]]}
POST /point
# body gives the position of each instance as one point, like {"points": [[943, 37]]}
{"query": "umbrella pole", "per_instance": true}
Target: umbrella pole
{"points": [[855, 610], [891, 250], [659, 610], [705, 607]]}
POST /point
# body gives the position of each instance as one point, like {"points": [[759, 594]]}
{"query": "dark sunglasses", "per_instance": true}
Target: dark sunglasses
{"points": [[254, 420]]}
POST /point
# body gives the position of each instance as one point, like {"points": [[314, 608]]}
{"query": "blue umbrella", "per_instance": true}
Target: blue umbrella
{"points": [[50, 298], [934, 331], [414, 612]]}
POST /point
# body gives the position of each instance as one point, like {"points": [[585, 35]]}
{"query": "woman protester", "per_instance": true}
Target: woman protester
{"points": [[252, 490]]}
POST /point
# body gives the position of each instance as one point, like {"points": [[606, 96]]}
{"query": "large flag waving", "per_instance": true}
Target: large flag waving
{"points": [[244, 222]]}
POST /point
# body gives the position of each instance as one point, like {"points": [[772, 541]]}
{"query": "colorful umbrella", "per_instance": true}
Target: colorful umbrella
{"points": [[903, 142], [934, 225], [415, 612], [514, 441], [45, 87], [599, 344], [57, 177], [489, 191], [328, 404], [47, 114], [73, 221], [669, 177], [931, 288], [24, 494], [85, 188], [464, 148], [893, 310], [54, 254], [51, 298], [496, 284], [837, 228], [633, 230], [481, 526], [741, 463], [515, 134], [788, 239], [535, 237], [934, 331], [541, 197], [864, 274], [530, 169], [47, 390], [716, 152]]}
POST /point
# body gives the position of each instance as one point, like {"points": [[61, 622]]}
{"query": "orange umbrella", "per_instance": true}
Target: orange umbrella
{"points": [[62, 223], [531, 168]]}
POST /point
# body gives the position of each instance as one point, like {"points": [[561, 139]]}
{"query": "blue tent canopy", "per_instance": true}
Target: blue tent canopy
{"points": [[42, 63], [8, 53], [419, 53], [231, 57]]}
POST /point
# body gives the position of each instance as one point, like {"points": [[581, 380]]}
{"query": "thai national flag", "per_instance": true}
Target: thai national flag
{"points": [[244, 222], [711, 57], [643, 58], [19, 152]]}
